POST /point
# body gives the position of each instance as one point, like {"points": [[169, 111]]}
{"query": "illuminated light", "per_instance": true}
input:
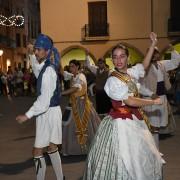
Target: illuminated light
{"points": [[1, 64], [1, 52], [8, 63], [15, 20]]}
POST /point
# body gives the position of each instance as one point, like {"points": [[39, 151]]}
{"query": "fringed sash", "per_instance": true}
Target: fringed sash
{"points": [[81, 122]]}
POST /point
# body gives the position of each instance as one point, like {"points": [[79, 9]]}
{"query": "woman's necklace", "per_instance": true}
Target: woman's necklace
{"points": [[124, 73], [120, 71]]}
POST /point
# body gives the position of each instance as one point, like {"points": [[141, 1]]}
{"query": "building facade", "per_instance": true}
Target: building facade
{"points": [[97, 26]]}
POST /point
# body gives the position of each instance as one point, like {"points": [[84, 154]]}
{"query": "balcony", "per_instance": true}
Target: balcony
{"points": [[95, 32]]}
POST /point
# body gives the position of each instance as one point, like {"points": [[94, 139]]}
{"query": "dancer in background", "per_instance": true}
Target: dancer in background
{"points": [[156, 84], [81, 124], [101, 73]]}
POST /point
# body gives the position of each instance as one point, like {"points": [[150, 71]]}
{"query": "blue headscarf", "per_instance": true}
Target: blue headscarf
{"points": [[57, 56], [44, 42]]}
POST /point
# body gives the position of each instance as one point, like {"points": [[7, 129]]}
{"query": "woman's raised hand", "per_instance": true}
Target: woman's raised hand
{"points": [[153, 37]]}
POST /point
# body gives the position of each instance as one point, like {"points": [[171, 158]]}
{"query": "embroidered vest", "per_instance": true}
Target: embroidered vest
{"points": [[55, 99]]}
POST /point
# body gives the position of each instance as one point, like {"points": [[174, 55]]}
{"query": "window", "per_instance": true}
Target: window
{"points": [[97, 12], [174, 21]]}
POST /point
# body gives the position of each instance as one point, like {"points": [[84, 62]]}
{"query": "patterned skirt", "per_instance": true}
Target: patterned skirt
{"points": [[123, 150], [70, 145]]}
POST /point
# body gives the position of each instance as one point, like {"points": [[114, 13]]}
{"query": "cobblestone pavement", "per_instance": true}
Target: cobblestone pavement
{"points": [[16, 142]]}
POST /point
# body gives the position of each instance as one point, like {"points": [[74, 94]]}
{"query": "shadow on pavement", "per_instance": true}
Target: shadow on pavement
{"points": [[23, 138], [165, 136], [67, 159], [17, 168]]}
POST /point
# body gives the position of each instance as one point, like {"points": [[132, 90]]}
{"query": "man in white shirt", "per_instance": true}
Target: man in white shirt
{"points": [[46, 108]]}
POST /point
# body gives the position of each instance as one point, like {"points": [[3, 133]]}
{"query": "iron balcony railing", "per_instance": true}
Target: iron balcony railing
{"points": [[95, 32]]}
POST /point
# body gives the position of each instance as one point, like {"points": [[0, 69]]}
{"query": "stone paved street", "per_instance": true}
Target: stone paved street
{"points": [[16, 142]]}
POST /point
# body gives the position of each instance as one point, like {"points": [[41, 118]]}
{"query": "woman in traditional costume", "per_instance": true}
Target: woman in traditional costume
{"points": [[82, 121], [123, 147], [160, 117]]}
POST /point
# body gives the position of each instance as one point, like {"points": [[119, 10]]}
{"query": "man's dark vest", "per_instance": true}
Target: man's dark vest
{"points": [[55, 99], [101, 79]]}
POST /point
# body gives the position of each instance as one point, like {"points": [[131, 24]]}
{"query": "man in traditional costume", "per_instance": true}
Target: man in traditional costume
{"points": [[101, 73], [46, 108]]}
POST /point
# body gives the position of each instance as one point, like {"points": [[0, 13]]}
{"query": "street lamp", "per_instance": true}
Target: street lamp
{"points": [[1, 53]]}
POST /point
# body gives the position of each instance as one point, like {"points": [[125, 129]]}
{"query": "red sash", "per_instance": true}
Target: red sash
{"points": [[124, 111]]}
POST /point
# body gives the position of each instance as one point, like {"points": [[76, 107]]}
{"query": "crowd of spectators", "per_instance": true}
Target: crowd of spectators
{"points": [[17, 82]]}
